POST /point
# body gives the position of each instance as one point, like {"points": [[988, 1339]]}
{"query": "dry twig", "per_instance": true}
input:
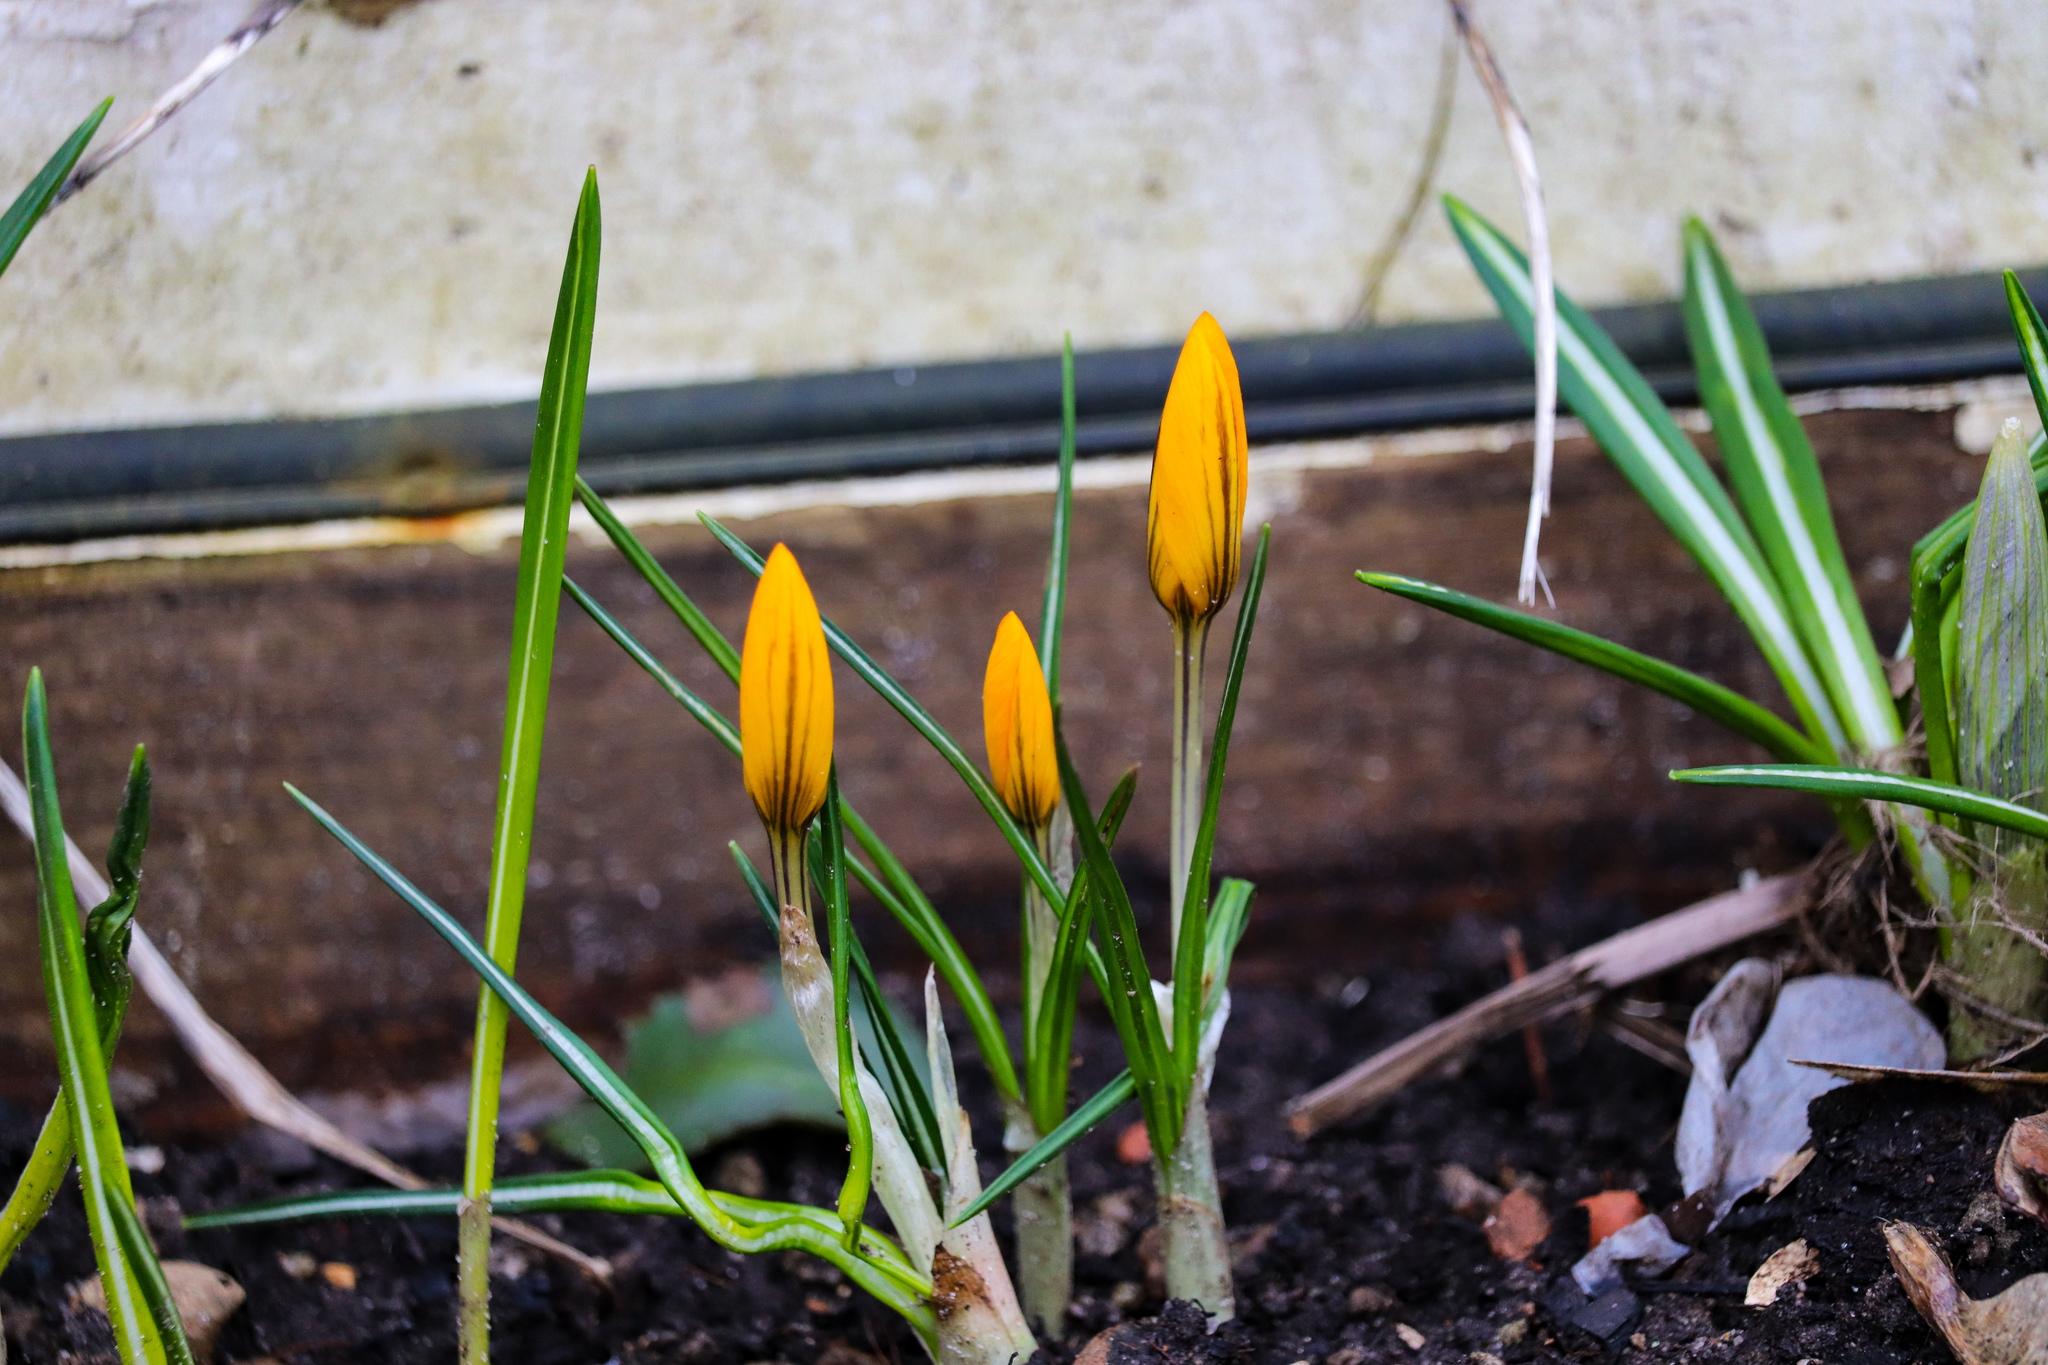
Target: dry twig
{"points": [[265, 17], [1567, 984], [1532, 1035], [1522, 152]]}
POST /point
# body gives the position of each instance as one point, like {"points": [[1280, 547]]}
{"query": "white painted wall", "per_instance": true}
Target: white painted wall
{"points": [[348, 222]]}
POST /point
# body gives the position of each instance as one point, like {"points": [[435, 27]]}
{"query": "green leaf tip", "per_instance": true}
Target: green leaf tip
{"points": [[40, 193]]}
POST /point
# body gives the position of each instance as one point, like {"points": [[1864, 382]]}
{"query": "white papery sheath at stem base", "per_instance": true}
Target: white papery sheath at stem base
{"points": [[1196, 1249]]}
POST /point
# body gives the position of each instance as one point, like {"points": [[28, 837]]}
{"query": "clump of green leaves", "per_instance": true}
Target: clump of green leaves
{"points": [[1979, 640]]}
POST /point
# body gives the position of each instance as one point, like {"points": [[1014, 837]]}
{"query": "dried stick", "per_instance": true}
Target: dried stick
{"points": [[265, 17], [1532, 1035], [1565, 985], [230, 1066], [1522, 152]]}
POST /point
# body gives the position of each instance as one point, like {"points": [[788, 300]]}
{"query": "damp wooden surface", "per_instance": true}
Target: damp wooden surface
{"points": [[1391, 768]]}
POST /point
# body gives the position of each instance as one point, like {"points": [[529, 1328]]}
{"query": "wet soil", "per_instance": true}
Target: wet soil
{"points": [[1348, 1252]]}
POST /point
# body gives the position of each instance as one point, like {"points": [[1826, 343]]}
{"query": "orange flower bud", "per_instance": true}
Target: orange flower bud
{"points": [[1016, 716], [785, 698], [1198, 480]]}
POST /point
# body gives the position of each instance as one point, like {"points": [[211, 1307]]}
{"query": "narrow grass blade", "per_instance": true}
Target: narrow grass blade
{"points": [[149, 1278], [860, 1133], [694, 620], [1866, 785], [564, 1192], [1191, 951], [35, 198], [40, 1179], [879, 1266], [1048, 1055], [1228, 918], [723, 730], [757, 887], [921, 720], [1053, 617], [892, 885], [1129, 998], [2033, 339], [1638, 433], [81, 1064], [1077, 1125], [105, 939], [1710, 699], [1778, 483], [550, 491]]}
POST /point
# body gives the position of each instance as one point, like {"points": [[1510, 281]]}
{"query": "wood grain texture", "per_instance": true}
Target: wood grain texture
{"points": [[1390, 767]]}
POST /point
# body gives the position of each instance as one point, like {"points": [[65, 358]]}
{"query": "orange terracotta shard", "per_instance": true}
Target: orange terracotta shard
{"points": [[1517, 1226]]}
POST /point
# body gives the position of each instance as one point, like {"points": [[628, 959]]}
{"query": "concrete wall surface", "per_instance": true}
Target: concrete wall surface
{"points": [[369, 212]]}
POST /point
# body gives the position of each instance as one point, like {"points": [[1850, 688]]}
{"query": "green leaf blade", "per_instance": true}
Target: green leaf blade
{"points": [[1638, 433], [2033, 338], [1779, 487], [1129, 997], [1866, 785], [36, 197], [1052, 618], [1191, 952], [694, 620], [81, 1063], [1710, 699], [877, 1266], [1076, 1126]]}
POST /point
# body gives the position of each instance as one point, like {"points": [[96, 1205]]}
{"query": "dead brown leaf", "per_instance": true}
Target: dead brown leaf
{"points": [[1791, 1264], [205, 1298], [2021, 1172], [2008, 1329]]}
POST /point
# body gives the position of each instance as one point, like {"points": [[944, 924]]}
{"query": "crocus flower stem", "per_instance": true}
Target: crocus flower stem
{"points": [[1041, 929], [1190, 639]]}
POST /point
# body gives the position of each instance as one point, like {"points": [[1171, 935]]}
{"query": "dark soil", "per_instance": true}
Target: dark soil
{"points": [[1349, 1252]]}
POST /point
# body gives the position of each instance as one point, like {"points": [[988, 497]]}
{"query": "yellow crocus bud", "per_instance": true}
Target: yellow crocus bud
{"points": [[1016, 715], [785, 698], [1198, 479]]}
